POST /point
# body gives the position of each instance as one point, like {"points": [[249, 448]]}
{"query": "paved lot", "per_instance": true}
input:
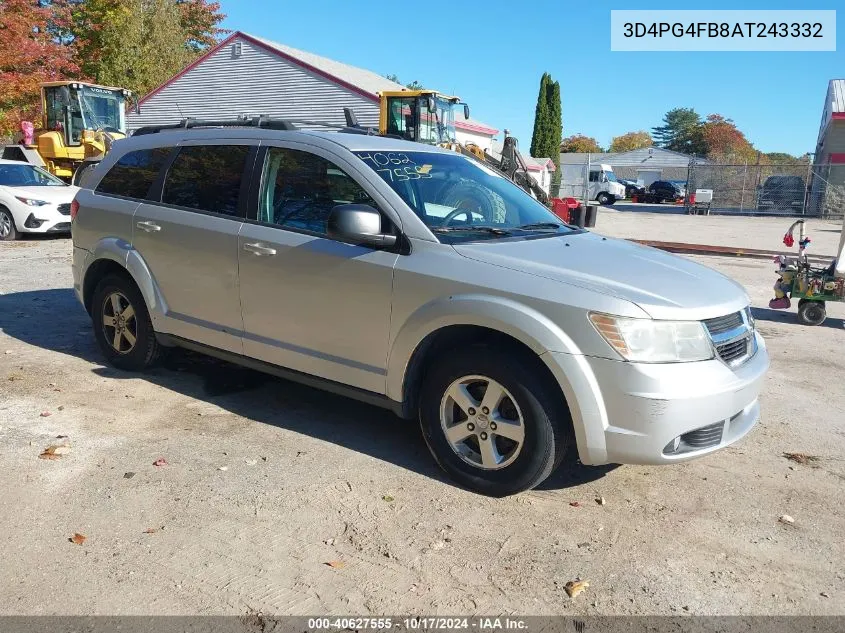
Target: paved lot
{"points": [[312, 479]]}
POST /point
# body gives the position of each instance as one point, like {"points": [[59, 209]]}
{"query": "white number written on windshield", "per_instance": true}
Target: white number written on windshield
{"points": [[395, 166]]}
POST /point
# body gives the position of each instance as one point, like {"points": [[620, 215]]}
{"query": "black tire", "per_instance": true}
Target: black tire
{"points": [[83, 168], [146, 350], [811, 312], [8, 230], [605, 199], [467, 194], [546, 424]]}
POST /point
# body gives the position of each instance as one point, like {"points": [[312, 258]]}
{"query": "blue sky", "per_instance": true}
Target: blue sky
{"points": [[493, 52]]}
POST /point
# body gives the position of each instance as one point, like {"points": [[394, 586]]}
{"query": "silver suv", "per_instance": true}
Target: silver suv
{"points": [[419, 280]]}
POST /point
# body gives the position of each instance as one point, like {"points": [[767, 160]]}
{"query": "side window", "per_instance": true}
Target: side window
{"points": [[207, 178], [299, 190], [594, 176], [134, 174]]}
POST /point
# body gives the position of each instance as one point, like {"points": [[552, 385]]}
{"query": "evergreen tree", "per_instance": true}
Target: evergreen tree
{"points": [[542, 117], [681, 132], [552, 150]]}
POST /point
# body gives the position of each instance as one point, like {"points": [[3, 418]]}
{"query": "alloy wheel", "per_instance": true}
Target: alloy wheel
{"points": [[5, 225], [120, 326], [482, 422]]}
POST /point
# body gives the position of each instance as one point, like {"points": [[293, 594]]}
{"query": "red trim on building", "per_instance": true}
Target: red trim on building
{"points": [[838, 115], [475, 127], [837, 158]]}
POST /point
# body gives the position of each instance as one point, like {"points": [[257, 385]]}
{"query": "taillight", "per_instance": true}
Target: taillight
{"points": [[74, 209]]}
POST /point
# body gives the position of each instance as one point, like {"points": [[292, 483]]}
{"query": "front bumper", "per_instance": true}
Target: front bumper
{"points": [[46, 219], [632, 413]]}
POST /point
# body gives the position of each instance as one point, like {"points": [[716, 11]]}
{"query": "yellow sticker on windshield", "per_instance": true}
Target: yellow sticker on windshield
{"points": [[424, 169]]}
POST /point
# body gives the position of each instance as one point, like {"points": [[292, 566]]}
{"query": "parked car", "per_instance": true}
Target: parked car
{"points": [[32, 201], [632, 187], [682, 185], [782, 193], [416, 279], [664, 191]]}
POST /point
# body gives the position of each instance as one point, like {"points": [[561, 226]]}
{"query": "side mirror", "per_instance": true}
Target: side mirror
{"points": [[358, 224], [466, 111]]}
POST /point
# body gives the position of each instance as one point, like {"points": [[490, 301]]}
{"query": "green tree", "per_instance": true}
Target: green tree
{"points": [[139, 44], [580, 143], [681, 132], [556, 130], [542, 118], [631, 141]]}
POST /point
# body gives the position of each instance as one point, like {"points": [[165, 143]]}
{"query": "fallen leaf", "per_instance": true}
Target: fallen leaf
{"points": [[61, 437], [574, 587], [160, 462], [128, 475], [575, 504], [77, 538], [600, 501], [785, 518], [337, 564], [387, 498], [801, 458], [14, 377], [61, 407], [55, 451], [45, 414], [824, 594], [150, 530]]}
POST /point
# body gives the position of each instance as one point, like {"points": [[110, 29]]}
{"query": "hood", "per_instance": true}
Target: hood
{"points": [[53, 195], [666, 286]]}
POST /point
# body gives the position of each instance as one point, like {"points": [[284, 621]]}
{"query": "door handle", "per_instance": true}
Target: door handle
{"points": [[259, 249], [149, 227]]}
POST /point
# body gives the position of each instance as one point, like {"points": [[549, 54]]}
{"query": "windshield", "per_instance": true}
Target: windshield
{"points": [[461, 199], [102, 108], [27, 176], [610, 176], [438, 126]]}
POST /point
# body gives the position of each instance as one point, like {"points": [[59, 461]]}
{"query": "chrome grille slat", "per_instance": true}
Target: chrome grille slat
{"points": [[731, 335], [721, 324]]}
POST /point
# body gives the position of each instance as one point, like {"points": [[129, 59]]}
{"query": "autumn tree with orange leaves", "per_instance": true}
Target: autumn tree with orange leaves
{"points": [[32, 50], [134, 44]]}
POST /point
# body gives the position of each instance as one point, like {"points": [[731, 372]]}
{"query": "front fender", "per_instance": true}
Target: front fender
{"points": [[519, 321], [121, 252]]}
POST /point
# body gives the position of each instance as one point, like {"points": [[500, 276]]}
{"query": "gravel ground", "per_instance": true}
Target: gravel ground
{"points": [[279, 498]]}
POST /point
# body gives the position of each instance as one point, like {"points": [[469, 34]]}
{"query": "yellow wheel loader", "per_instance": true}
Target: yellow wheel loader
{"points": [[79, 122]]}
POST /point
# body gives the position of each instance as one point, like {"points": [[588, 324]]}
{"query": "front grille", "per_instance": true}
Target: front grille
{"points": [[733, 350], [723, 323], [64, 209], [705, 437]]}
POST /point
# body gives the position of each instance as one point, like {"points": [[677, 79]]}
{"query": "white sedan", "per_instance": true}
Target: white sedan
{"points": [[32, 201]]}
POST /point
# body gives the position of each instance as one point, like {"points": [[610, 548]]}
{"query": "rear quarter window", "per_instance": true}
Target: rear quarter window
{"points": [[206, 178], [134, 174]]}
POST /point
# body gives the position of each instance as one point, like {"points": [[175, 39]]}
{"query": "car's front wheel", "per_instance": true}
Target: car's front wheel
{"points": [[8, 231], [122, 324], [492, 420], [605, 199]]}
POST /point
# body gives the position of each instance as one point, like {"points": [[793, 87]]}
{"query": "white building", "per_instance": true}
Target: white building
{"points": [[248, 75]]}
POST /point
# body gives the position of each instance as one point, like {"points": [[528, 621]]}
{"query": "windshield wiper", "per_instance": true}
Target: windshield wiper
{"points": [[539, 225], [483, 229]]}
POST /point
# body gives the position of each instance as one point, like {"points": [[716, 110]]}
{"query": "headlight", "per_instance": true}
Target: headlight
{"points": [[32, 202], [648, 341]]}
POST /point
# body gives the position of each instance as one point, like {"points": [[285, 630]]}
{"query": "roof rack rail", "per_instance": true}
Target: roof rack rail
{"points": [[262, 121], [191, 122]]}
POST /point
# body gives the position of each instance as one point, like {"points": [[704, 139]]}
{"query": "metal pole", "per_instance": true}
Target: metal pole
{"points": [[807, 185], [742, 197], [587, 182]]}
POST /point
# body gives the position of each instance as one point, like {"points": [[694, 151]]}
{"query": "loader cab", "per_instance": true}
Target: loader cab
{"points": [[71, 108], [420, 116]]}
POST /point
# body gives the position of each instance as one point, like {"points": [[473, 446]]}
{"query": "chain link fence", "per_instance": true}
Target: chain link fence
{"points": [[797, 189]]}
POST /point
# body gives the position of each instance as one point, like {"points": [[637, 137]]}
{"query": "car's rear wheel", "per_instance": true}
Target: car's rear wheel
{"points": [[8, 230], [122, 324], [492, 421]]}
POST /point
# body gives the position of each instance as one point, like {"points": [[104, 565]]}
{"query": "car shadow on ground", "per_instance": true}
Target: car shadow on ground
{"points": [[786, 316], [30, 317]]}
